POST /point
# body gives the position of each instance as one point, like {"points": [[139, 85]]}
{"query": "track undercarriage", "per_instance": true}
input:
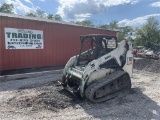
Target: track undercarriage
{"points": [[103, 89], [108, 87]]}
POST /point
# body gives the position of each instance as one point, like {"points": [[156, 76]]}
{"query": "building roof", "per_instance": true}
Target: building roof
{"points": [[44, 20]]}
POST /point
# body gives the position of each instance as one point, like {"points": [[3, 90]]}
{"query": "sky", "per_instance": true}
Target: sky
{"points": [[127, 12]]}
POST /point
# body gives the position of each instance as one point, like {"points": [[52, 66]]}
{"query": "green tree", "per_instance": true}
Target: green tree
{"points": [[149, 33], [31, 15], [50, 16], [6, 8], [121, 36], [105, 26], [87, 23], [57, 17], [124, 32], [41, 13], [113, 25]]}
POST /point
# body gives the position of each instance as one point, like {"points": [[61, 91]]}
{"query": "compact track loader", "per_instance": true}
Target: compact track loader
{"points": [[101, 70]]}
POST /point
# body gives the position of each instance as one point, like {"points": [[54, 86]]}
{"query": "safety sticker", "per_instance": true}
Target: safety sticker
{"points": [[129, 60]]}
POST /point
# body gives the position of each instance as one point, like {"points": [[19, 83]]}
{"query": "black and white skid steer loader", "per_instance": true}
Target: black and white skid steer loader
{"points": [[101, 70]]}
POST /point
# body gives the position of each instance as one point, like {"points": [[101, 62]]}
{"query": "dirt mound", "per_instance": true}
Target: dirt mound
{"points": [[149, 65], [49, 99]]}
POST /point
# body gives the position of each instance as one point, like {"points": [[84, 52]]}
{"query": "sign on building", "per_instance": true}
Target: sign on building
{"points": [[23, 39]]}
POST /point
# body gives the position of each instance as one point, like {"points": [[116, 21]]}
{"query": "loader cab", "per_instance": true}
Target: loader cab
{"points": [[95, 46]]}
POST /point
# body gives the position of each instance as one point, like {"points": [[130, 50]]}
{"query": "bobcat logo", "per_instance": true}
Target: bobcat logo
{"points": [[11, 47]]}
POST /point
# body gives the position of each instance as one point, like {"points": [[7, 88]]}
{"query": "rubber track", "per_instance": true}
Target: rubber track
{"points": [[90, 91]]}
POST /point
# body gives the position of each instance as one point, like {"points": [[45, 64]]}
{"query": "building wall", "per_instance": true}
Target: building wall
{"points": [[61, 41]]}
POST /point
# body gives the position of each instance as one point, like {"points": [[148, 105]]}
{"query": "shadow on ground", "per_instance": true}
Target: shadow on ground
{"points": [[132, 105]]}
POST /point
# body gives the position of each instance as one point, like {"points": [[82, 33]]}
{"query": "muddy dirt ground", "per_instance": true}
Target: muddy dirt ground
{"points": [[42, 98]]}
